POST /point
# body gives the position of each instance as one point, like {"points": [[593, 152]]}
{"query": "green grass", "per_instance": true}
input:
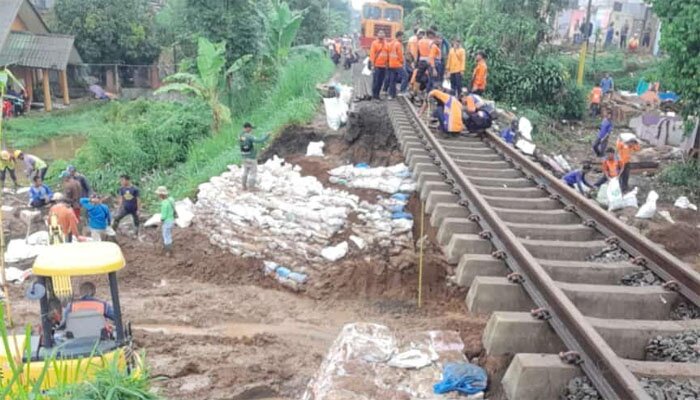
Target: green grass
{"points": [[36, 127]]}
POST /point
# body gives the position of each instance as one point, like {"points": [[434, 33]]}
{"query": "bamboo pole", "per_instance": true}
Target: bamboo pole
{"points": [[5, 286], [64, 87]]}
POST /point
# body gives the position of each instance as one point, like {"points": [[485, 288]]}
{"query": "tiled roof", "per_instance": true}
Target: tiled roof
{"points": [[36, 51], [8, 12]]}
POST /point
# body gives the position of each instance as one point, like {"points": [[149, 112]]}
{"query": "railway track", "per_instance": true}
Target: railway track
{"points": [[536, 256]]}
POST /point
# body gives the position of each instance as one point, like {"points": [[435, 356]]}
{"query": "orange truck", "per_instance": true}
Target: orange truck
{"points": [[378, 16]]}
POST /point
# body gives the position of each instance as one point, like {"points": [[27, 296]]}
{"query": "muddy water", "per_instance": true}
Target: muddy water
{"points": [[62, 148]]}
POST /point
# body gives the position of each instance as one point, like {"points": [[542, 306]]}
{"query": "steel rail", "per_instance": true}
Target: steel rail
{"points": [[658, 260], [605, 369]]}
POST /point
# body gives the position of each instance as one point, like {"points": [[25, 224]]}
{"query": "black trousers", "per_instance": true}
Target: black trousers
{"points": [[123, 213], [625, 177], [377, 81], [456, 82]]}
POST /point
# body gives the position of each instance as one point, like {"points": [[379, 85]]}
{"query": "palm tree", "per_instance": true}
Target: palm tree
{"points": [[206, 84]]}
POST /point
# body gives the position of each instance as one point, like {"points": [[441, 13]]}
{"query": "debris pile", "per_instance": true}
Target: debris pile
{"points": [[367, 361], [394, 179], [581, 388], [292, 218], [641, 278], [609, 255], [671, 389], [682, 347], [685, 311]]}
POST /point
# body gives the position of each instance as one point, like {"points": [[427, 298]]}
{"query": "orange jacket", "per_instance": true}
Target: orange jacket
{"points": [[624, 151], [337, 47], [413, 46], [435, 53], [424, 49], [452, 111], [379, 54], [611, 168], [395, 48], [455, 61], [66, 218], [469, 103], [480, 75], [596, 95]]}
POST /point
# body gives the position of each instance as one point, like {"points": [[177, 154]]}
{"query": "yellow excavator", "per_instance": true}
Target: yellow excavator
{"points": [[69, 352]]}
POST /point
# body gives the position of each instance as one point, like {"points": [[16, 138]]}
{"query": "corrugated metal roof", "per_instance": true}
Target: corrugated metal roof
{"points": [[36, 51], [8, 12]]}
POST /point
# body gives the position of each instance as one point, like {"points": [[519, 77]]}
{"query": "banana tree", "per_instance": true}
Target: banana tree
{"points": [[282, 25], [6, 77], [206, 84]]}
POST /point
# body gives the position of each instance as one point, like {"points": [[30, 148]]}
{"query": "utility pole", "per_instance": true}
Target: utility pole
{"points": [[584, 48]]}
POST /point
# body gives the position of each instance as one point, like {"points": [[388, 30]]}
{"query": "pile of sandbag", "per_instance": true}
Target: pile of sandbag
{"points": [[292, 218], [369, 361], [393, 179]]}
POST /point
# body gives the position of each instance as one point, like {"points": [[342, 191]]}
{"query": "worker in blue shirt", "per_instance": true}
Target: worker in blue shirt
{"points": [[510, 134], [39, 193], [577, 178], [608, 85], [601, 141]]}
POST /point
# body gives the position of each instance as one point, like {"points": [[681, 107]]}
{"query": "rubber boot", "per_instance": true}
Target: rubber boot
{"points": [[168, 250]]}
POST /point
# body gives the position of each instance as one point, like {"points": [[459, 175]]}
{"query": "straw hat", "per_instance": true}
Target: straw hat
{"points": [[162, 190], [5, 155], [57, 197]]}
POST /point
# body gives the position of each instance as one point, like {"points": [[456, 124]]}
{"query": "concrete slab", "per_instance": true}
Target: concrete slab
{"points": [[553, 232], [629, 338], [623, 302], [503, 183], [537, 377], [492, 173], [462, 244], [518, 332], [468, 149], [454, 226], [666, 370], [563, 250], [425, 176], [588, 272], [435, 198], [472, 265], [516, 193], [489, 294], [537, 216], [477, 157], [447, 210], [432, 186], [410, 152], [524, 204], [413, 162]]}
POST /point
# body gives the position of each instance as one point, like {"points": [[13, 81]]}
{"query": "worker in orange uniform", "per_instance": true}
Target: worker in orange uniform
{"points": [[480, 74], [65, 217], [412, 46], [611, 167], [396, 63], [456, 59], [379, 60], [624, 154], [448, 112], [595, 98], [426, 60]]}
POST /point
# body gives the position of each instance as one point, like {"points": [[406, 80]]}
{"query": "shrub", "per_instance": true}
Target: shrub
{"points": [[682, 174]]}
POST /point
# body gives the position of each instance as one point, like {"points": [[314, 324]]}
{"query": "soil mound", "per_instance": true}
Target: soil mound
{"points": [[681, 239]]}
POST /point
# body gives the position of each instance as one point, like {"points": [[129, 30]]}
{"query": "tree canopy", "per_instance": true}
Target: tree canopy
{"points": [[108, 31], [680, 37]]}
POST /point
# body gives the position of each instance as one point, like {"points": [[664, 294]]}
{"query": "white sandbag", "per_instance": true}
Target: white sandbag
{"points": [[153, 221], [366, 71], [667, 216], [16, 275], [526, 147], [630, 199], [23, 190], [185, 213], [615, 201], [19, 249], [446, 85], [335, 253], [40, 238], [648, 209], [345, 94], [336, 112], [315, 149], [358, 241], [525, 128], [684, 203], [602, 197]]}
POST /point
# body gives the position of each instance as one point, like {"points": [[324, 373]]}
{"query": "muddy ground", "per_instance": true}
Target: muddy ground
{"points": [[213, 327]]}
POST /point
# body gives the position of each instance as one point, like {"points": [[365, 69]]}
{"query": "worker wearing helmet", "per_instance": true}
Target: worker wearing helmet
{"points": [[7, 164], [33, 165]]}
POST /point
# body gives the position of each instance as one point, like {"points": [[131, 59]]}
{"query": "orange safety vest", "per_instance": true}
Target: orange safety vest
{"points": [[479, 78], [395, 54], [88, 305], [413, 46], [379, 54], [452, 111], [596, 95], [611, 168], [470, 104], [624, 151], [424, 49]]}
